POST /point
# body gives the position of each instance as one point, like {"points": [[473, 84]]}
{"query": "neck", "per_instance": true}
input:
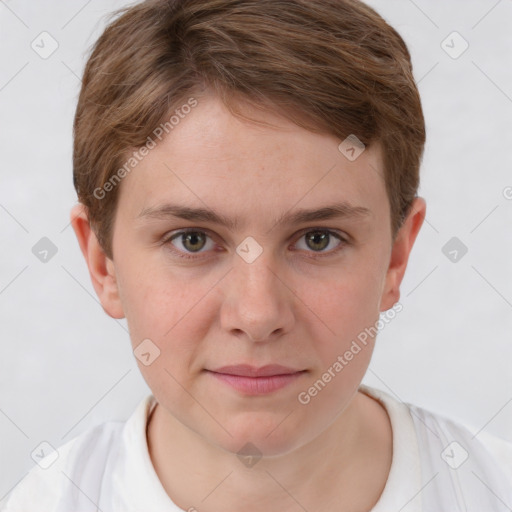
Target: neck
{"points": [[347, 463]]}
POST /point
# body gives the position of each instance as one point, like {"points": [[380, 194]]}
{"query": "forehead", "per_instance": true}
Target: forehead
{"points": [[214, 159]]}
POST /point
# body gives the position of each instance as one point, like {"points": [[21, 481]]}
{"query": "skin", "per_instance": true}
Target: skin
{"points": [[285, 307]]}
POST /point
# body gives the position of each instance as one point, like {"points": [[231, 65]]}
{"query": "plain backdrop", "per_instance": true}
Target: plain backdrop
{"points": [[66, 366]]}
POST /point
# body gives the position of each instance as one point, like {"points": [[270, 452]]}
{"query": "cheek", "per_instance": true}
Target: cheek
{"points": [[171, 313], [343, 334], [157, 301], [175, 313], [342, 324], [344, 304]]}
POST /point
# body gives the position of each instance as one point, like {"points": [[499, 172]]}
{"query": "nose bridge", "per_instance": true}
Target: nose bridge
{"points": [[256, 264], [259, 278], [257, 301]]}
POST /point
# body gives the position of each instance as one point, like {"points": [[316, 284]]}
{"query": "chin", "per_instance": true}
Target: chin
{"points": [[263, 437]]}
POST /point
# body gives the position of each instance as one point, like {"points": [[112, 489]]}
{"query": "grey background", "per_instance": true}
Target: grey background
{"points": [[66, 366]]}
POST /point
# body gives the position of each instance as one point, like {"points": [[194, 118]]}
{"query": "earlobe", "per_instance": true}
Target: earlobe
{"points": [[101, 268], [400, 253]]}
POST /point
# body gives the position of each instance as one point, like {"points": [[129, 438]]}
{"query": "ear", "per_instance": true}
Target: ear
{"points": [[400, 253], [101, 268]]}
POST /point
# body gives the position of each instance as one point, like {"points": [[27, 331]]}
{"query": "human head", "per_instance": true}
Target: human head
{"points": [[253, 161], [348, 72]]}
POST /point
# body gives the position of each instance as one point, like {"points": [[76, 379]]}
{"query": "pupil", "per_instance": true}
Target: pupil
{"points": [[317, 238], [193, 238], [319, 235]]}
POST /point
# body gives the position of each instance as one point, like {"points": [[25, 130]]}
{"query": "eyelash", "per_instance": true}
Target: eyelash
{"points": [[168, 239]]}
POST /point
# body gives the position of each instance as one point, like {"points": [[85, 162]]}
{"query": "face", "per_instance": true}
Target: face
{"points": [[269, 287]]}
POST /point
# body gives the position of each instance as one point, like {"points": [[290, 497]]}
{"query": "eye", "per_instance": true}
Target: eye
{"points": [[193, 241], [319, 239], [188, 242]]}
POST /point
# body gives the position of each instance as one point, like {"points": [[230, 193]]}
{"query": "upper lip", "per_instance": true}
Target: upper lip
{"points": [[247, 370]]}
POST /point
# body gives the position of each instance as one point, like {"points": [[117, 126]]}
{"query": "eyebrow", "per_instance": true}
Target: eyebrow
{"points": [[332, 211]]}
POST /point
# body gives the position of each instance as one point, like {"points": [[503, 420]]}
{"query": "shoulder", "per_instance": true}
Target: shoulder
{"points": [[457, 444], [55, 478], [76, 474], [473, 468], [458, 466], [500, 449]]}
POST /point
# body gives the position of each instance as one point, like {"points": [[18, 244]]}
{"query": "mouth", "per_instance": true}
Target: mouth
{"points": [[251, 380]]}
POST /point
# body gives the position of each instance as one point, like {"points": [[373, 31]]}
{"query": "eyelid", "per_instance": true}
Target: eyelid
{"points": [[169, 237], [343, 238], [341, 234]]}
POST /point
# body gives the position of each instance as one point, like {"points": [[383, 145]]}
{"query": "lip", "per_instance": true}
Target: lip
{"points": [[246, 370], [256, 381]]}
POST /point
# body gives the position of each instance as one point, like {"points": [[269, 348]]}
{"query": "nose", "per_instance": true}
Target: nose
{"points": [[258, 302]]}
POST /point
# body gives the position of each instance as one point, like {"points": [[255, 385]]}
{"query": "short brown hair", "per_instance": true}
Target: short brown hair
{"points": [[331, 66]]}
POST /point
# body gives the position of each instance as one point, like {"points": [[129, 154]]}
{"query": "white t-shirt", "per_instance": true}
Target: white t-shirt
{"points": [[437, 466]]}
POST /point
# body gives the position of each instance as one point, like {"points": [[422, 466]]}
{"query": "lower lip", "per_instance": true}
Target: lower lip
{"points": [[257, 385]]}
